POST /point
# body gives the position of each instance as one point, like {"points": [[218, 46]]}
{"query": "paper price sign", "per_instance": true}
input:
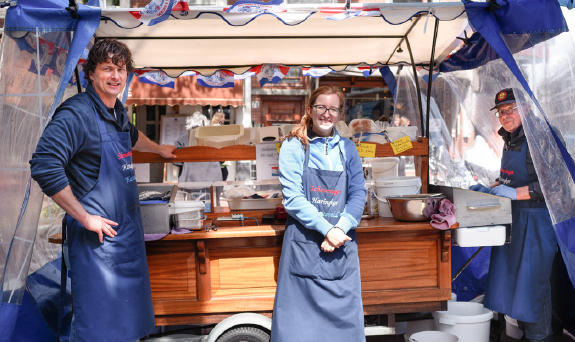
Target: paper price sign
{"points": [[401, 145], [366, 150], [278, 147]]}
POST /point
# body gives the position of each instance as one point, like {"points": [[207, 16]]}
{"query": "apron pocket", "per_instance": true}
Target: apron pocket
{"points": [[123, 247], [304, 259], [334, 264]]}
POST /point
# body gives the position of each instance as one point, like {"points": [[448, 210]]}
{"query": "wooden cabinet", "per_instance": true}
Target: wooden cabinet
{"points": [[204, 277]]}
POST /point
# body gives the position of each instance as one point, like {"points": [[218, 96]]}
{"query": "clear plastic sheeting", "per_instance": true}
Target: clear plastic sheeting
{"points": [[549, 68], [30, 71]]}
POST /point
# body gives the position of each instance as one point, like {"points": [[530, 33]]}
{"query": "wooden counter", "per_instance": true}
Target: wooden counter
{"points": [[203, 277]]}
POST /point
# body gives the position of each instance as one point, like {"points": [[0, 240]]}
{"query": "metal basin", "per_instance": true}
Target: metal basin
{"points": [[414, 207]]}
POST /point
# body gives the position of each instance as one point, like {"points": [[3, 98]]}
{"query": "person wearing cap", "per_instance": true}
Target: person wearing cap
{"points": [[518, 284]]}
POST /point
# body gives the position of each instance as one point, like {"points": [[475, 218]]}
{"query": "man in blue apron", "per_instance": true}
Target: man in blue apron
{"points": [[83, 161], [518, 284]]}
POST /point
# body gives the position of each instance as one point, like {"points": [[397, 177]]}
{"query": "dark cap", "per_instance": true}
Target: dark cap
{"points": [[504, 96]]}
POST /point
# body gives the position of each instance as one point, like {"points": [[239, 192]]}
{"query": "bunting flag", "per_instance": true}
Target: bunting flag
{"points": [[84, 57], [368, 12], [367, 71], [245, 75], [157, 77], [270, 73], [220, 79], [316, 72], [159, 10], [247, 6]]}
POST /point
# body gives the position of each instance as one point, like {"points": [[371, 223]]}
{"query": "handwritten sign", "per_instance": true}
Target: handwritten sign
{"points": [[267, 161], [278, 147], [366, 150], [401, 145]]}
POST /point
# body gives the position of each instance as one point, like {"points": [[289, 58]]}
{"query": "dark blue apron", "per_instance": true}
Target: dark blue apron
{"points": [[112, 299], [519, 272], [318, 296]]}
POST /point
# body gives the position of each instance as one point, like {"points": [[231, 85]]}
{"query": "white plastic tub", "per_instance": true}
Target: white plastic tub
{"points": [[396, 186], [468, 321], [512, 328], [395, 133], [480, 236], [268, 134], [384, 167], [433, 336], [219, 136], [254, 203]]}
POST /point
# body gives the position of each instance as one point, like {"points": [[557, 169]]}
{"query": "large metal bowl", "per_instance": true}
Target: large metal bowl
{"points": [[414, 207]]}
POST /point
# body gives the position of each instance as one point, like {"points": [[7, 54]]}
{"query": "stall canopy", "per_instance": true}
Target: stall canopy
{"points": [[523, 46], [186, 92]]}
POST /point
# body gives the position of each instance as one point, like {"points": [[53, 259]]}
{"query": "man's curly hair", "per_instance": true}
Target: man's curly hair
{"points": [[105, 50]]}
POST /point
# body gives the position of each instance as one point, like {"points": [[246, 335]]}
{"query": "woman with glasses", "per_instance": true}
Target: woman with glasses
{"points": [[318, 295], [518, 283]]}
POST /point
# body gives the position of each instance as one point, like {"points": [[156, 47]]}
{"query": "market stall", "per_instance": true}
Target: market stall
{"points": [[195, 277]]}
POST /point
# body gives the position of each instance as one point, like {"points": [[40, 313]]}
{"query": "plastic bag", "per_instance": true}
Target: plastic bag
{"points": [[240, 192], [363, 126], [197, 119], [343, 129]]}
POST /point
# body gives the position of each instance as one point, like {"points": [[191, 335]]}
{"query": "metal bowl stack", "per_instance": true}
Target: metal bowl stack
{"points": [[414, 208]]}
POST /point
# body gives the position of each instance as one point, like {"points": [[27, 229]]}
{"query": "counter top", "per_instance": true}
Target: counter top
{"points": [[379, 224]]}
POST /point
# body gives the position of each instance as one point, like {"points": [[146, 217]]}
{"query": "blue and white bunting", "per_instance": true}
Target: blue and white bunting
{"points": [[247, 6], [270, 73], [370, 12], [316, 72]]}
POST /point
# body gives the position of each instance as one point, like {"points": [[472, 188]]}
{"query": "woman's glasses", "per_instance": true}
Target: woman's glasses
{"points": [[322, 109]]}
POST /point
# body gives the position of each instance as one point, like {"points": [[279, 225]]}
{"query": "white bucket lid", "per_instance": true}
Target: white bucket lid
{"points": [[433, 336], [464, 312], [398, 181]]}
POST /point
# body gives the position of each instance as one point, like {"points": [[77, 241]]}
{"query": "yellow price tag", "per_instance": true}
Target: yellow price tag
{"points": [[401, 145], [278, 147], [366, 150]]}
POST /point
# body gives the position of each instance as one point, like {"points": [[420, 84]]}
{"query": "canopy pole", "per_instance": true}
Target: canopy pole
{"points": [[416, 80], [430, 80]]}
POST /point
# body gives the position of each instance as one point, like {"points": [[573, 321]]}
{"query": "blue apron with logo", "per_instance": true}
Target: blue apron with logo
{"points": [[519, 272], [318, 296], [112, 299]]}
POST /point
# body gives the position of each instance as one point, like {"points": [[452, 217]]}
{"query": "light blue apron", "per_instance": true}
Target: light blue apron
{"points": [[519, 272], [318, 295], [111, 293]]}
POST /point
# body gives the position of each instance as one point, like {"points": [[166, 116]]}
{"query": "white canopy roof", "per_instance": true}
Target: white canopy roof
{"points": [[207, 39]]}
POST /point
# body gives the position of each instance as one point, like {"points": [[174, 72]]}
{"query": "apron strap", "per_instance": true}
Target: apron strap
{"points": [[63, 283]]}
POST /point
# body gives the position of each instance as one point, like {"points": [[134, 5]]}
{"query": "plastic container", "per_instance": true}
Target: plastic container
{"points": [[254, 203], [188, 221], [394, 187], [414, 327], [468, 321], [219, 136], [395, 133], [250, 136], [384, 167], [186, 206], [268, 134], [480, 236], [433, 336], [512, 329]]}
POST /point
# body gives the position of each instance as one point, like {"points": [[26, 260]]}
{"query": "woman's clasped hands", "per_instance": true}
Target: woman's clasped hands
{"points": [[335, 238]]}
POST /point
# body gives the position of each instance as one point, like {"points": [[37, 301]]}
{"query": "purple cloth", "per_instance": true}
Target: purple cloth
{"points": [[154, 237], [445, 217]]}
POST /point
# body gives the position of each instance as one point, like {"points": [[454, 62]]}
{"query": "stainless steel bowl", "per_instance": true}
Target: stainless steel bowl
{"points": [[414, 207]]}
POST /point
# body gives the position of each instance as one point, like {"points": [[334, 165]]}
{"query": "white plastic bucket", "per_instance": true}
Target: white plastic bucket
{"points": [[384, 167], [395, 186], [511, 328], [414, 327], [433, 336], [468, 321]]}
